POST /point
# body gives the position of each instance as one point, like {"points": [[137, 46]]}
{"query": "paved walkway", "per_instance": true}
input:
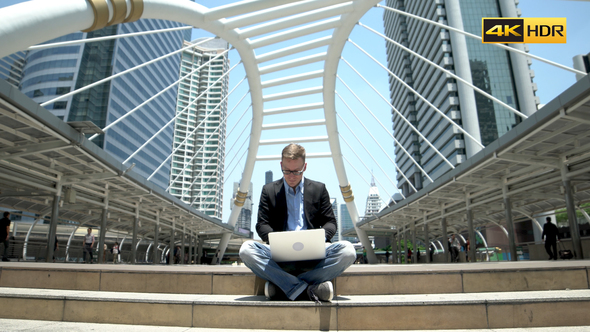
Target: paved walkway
{"points": [[41, 325]]}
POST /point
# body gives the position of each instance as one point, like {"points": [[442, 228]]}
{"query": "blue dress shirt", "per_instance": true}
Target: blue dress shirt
{"points": [[296, 220]]}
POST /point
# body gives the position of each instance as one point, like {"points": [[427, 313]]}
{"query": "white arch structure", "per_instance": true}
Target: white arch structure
{"points": [[240, 24], [25, 25]]}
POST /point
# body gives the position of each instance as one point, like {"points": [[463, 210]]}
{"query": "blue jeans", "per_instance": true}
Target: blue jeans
{"points": [[257, 257]]}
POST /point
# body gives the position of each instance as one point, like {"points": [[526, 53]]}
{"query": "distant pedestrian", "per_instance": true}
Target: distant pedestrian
{"points": [[105, 250], [88, 244], [4, 233], [115, 251], [386, 256], [455, 247], [177, 255], [551, 236], [55, 246]]}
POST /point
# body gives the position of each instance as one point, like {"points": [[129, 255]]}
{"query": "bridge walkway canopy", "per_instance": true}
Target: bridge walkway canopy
{"points": [[541, 165], [42, 157]]}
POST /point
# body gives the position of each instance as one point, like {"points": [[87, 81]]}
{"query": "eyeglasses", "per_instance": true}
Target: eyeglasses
{"points": [[292, 172]]}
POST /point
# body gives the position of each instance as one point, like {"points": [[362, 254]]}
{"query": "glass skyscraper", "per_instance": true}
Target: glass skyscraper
{"points": [[492, 69], [51, 72], [346, 222], [11, 67], [199, 133]]}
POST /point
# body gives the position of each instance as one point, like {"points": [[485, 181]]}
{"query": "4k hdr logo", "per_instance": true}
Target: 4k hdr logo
{"points": [[524, 30]]}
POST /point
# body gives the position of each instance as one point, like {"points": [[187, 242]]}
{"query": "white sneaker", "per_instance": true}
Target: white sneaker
{"points": [[321, 292], [270, 290]]}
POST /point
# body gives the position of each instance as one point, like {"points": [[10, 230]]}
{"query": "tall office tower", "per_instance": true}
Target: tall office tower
{"points": [[199, 133], [49, 73], [346, 222], [334, 203], [11, 67], [243, 225], [374, 203], [582, 62], [268, 177], [504, 75]]}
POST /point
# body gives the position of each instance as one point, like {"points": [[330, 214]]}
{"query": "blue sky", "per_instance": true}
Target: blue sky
{"points": [[550, 81]]}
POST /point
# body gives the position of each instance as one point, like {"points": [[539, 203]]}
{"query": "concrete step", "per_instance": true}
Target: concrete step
{"points": [[356, 280], [52, 326], [369, 312]]}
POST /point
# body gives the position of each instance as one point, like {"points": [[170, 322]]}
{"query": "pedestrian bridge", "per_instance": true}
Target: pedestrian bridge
{"points": [[51, 169]]}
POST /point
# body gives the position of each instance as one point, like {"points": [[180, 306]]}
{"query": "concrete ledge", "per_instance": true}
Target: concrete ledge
{"points": [[356, 280], [377, 312]]}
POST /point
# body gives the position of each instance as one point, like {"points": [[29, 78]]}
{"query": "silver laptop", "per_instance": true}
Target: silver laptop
{"points": [[297, 245]]}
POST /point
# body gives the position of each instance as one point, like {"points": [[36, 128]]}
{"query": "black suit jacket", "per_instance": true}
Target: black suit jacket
{"points": [[273, 214]]}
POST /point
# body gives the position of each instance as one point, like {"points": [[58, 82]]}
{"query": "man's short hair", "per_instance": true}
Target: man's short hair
{"points": [[548, 219], [293, 151], [89, 228], [6, 214]]}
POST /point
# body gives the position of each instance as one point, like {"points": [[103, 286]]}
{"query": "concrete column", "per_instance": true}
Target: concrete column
{"points": [[414, 242], [53, 226], [182, 245], [134, 241], [469, 116], [199, 249], [520, 68], [573, 220], [471, 236], [404, 252], [155, 257], [509, 224], [426, 240], [191, 248], [172, 246], [445, 240], [102, 235], [393, 249]]}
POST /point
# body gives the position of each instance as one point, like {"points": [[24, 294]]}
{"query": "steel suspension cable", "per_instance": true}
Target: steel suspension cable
{"points": [[448, 72], [179, 113], [237, 139], [441, 113], [121, 73], [386, 130], [361, 176], [241, 146], [401, 115], [376, 141], [202, 192], [183, 143], [157, 95], [241, 157], [361, 160], [508, 48], [195, 154], [91, 40]]}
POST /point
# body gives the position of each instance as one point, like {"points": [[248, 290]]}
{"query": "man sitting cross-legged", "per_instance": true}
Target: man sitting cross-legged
{"points": [[295, 203]]}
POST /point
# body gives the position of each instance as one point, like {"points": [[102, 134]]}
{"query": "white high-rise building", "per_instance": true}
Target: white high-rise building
{"points": [[200, 129], [374, 203]]}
